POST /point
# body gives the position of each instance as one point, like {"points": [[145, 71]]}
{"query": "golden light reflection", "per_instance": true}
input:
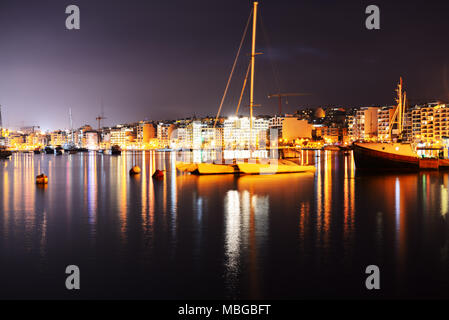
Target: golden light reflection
{"points": [[349, 203], [246, 229], [444, 198]]}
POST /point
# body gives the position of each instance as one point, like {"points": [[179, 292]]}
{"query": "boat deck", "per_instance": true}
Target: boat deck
{"points": [[278, 167]]}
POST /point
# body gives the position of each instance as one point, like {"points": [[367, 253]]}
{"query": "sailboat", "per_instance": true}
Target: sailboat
{"points": [[394, 154], [253, 166], [70, 146]]}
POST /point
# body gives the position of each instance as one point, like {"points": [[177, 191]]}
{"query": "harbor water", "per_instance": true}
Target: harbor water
{"points": [[289, 236]]}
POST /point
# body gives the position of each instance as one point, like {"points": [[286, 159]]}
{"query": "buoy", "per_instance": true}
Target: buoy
{"points": [[158, 174], [134, 170], [41, 179]]}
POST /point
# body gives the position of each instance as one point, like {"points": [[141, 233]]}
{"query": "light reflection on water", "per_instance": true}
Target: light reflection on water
{"points": [[184, 236]]}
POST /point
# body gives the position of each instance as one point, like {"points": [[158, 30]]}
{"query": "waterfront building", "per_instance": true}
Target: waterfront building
{"points": [[124, 136], [58, 138], [291, 128], [92, 140], [79, 136], [164, 134], [36, 140], [364, 124], [429, 123], [145, 132], [331, 134], [198, 135], [384, 116], [236, 133]]}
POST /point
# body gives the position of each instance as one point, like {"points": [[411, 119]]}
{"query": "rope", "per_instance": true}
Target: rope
{"points": [[243, 89], [233, 68]]}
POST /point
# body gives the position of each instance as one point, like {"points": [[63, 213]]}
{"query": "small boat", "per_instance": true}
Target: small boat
{"points": [[37, 151], [5, 153], [49, 150], [331, 148], [58, 151], [116, 150]]}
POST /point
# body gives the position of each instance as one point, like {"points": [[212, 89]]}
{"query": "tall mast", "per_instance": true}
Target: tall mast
{"points": [[71, 122], [253, 55], [400, 107]]}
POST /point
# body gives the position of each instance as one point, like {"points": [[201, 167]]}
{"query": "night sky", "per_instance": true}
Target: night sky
{"points": [[152, 60]]}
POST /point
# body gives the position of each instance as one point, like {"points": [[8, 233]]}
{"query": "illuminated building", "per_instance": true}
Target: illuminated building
{"points": [[364, 124], [91, 140], [58, 138], [164, 133], [429, 123], [330, 134], [145, 132], [198, 135], [236, 133], [123, 136], [36, 139], [319, 113], [384, 116], [291, 128]]}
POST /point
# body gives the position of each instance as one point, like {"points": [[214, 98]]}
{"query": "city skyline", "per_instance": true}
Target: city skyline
{"points": [[168, 61]]}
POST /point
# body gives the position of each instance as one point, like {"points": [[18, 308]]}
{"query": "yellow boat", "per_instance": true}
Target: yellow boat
{"points": [[273, 168], [210, 168], [281, 166], [186, 167]]}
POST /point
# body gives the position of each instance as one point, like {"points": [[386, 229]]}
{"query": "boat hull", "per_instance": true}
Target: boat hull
{"points": [[367, 158], [209, 168], [257, 168]]}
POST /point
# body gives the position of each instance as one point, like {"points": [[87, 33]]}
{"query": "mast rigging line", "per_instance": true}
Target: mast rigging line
{"points": [[243, 89], [233, 67]]}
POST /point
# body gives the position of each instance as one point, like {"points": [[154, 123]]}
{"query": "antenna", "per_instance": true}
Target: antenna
{"points": [[1, 122]]}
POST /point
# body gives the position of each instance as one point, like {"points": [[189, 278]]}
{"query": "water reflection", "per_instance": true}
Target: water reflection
{"points": [[242, 236]]}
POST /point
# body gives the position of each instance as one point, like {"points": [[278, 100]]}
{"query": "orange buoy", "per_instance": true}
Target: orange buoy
{"points": [[158, 174], [41, 179], [135, 170]]}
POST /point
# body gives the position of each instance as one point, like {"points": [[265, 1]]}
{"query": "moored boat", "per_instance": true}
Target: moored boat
{"points": [[58, 151], [385, 156], [116, 150], [186, 167], [331, 148], [49, 150], [210, 168], [276, 167], [393, 155], [5, 153]]}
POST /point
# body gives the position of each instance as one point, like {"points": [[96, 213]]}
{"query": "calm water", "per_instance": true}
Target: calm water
{"points": [[288, 236]]}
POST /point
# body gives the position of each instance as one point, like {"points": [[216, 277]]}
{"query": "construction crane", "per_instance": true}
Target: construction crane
{"points": [[99, 118], [281, 95]]}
